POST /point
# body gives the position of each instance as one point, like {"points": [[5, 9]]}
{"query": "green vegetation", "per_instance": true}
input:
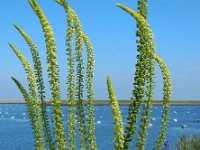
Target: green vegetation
{"points": [[142, 93], [35, 97], [31, 99], [117, 118], [192, 143], [143, 85], [40, 83], [52, 74]]}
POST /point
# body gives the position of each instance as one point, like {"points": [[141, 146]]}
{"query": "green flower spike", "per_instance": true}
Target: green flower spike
{"points": [[80, 81], [90, 93], [143, 83], [117, 118], [33, 102], [53, 75], [70, 77], [74, 20], [30, 108], [40, 85], [144, 43], [165, 72]]}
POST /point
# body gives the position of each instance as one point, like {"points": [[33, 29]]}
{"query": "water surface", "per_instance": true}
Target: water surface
{"points": [[16, 133]]}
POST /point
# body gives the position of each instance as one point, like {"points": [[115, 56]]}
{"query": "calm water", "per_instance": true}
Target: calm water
{"points": [[16, 134]]}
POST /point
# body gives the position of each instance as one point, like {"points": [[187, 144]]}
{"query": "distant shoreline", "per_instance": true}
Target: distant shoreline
{"points": [[121, 102]]}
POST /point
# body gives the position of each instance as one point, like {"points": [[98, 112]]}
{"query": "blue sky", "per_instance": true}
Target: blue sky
{"points": [[175, 25]]}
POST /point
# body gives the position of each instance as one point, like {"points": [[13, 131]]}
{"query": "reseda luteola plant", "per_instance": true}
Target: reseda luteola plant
{"points": [[81, 38], [45, 138], [34, 106], [35, 97], [144, 76], [40, 83]]}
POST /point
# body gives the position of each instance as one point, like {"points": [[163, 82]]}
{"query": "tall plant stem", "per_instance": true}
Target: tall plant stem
{"points": [[40, 85], [30, 109], [73, 18], [90, 93], [165, 72], [80, 76], [33, 102], [140, 78], [118, 129], [70, 76], [53, 75], [145, 43], [79, 88]]}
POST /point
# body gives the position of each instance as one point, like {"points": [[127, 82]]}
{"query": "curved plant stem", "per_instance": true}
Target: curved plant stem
{"points": [[90, 93], [140, 79], [165, 72], [79, 88], [30, 107], [40, 85], [145, 43], [118, 129], [80, 73], [34, 104], [53, 75], [167, 92], [73, 18], [70, 76]]}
